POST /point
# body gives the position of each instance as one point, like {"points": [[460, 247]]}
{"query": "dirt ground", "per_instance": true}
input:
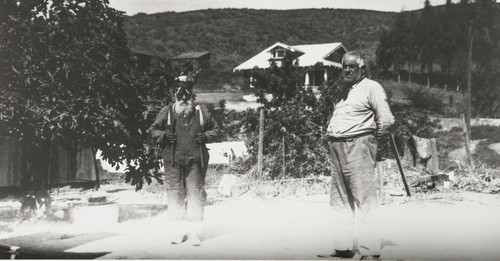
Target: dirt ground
{"points": [[445, 225]]}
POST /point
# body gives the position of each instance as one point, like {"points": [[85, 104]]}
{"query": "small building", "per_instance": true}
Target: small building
{"points": [[198, 59], [65, 163], [147, 59], [327, 55]]}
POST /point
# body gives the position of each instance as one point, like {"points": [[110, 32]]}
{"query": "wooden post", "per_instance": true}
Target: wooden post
{"points": [[469, 82], [433, 162], [467, 141], [284, 168], [261, 144]]}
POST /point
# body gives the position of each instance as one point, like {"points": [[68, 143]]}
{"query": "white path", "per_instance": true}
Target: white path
{"points": [[446, 226]]}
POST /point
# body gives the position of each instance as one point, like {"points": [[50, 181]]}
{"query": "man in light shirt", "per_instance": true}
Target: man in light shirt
{"points": [[359, 124]]}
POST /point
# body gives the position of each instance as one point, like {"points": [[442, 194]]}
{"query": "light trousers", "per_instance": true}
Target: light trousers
{"points": [[186, 194], [353, 196]]}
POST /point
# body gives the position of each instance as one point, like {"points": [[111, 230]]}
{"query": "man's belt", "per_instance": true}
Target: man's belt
{"points": [[349, 138]]}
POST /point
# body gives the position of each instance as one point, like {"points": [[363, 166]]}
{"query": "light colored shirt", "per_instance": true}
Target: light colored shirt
{"points": [[364, 110]]}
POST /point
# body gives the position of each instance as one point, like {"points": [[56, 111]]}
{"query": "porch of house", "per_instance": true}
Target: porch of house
{"points": [[313, 78]]}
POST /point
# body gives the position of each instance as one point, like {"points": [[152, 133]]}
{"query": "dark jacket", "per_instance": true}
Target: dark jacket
{"points": [[185, 151]]}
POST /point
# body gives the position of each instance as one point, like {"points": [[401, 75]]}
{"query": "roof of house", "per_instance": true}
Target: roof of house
{"points": [[312, 54], [148, 53], [191, 55]]}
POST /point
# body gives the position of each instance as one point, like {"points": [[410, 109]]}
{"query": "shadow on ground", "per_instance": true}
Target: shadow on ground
{"points": [[53, 245]]}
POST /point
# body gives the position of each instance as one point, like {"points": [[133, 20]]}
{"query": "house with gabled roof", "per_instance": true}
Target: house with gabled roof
{"points": [[319, 59]]}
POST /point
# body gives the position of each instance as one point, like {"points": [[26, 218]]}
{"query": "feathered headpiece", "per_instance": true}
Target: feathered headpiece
{"points": [[187, 77]]}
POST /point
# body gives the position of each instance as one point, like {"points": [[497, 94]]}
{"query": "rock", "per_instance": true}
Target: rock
{"points": [[98, 197], [430, 185], [238, 190], [232, 185], [451, 176], [420, 151], [59, 214], [495, 147]]}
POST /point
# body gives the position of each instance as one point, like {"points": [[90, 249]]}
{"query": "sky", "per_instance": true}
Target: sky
{"points": [[132, 7]]}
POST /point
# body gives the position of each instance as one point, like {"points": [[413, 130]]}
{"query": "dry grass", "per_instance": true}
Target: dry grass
{"points": [[292, 187]]}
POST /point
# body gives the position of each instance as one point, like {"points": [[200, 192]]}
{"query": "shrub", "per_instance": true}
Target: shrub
{"points": [[422, 98], [483, 153], [448, 141], [409, 121]]}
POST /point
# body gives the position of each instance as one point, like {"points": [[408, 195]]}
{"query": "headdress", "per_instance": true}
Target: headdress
{"points": [[187, 77]]}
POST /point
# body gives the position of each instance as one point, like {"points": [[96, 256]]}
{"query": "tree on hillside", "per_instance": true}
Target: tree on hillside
{"points": [[443, 44], [398, 46], [426, 36], [483, 18], [385, 55], [448, 44], [67, 75]]}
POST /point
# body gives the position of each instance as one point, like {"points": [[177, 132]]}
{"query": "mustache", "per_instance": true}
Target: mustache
{"points": [[183, 107]]}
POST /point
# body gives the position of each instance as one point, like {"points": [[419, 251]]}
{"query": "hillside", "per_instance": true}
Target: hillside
{"points": [[234, 35]]}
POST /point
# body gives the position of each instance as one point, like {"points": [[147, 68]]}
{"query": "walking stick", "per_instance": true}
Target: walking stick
{"points": [[201, 157], [396, 154], [172, 128], [202, 126]]}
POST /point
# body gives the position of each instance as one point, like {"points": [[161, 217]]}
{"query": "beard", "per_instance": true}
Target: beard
{"points": [[183, 108]]}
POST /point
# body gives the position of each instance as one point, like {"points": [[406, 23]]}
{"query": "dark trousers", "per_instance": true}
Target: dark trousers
{"points": [[354, 193], [186, 195]]}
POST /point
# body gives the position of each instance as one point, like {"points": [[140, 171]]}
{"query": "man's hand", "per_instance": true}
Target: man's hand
{"points": [[167, 138], [382, 142], [201, 138]]}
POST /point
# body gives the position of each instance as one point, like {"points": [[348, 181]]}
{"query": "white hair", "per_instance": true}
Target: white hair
{"points": [[359, 58]]}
